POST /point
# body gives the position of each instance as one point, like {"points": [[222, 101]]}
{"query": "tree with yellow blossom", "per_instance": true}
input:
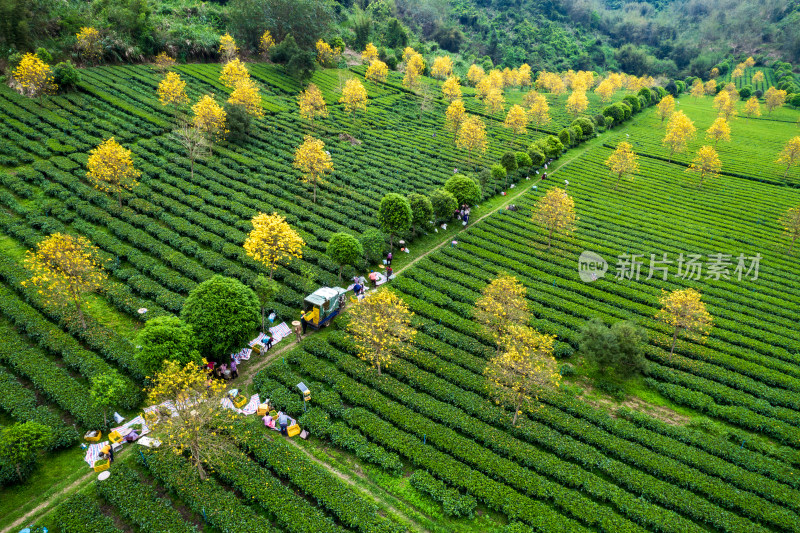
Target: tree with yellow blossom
{"points": [[555, 212], [714, 72], [380, 325], [752, 108], [494, 101], [502, 304], [684, 312], [172, 90], [605, 90], [706, 164], [233, 72], [247, 95], [538, 109], [790, 155], [265, 44], [227, 48], [88, 44], [525, 368], [697, 89], [577, 102], [377, 71], [326, 56], [442, 67], [774, 98], [111, 169], [163, 62], [680, 130], [791, 225], [719, 130], [471, 136], [415, 66], [710, 87], [451, 89], [749, 62], [758, 77], [408, 53], [738, 72], [191, 423], [622, 162], [725, 105], [312, 104], [354, 97], [210, 118], [455, 115], [273, 240], [370, 53], [483, 87], [66, 267], [666, 107], [34, 77], [516, 120], [313, 161], [524, 75], [475, 74]]}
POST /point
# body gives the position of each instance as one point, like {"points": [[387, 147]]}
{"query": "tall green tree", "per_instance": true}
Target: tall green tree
{"points": [[106, 389], [373, 241], [618, 349], [394, 215], [165, 338], [20, 442], [344, 249], [265, 289], [223, 313], [444, 204], [465, 189], [421, 211]]}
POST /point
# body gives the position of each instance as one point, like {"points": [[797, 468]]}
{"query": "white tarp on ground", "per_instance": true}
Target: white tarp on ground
{"points": [[249, 409], [93, 453]]}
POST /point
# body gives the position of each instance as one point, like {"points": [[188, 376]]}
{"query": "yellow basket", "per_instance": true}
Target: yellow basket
{"points": [[293, 430], [102, 464], [240, 401], [115, 437], [263, 409], [96, 438]]}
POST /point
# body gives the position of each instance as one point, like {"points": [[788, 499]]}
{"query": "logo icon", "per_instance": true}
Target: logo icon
{"points": [[591, 266]]}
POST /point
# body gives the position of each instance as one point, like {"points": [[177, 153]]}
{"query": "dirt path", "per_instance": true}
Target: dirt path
{"points": [[349, 480]]}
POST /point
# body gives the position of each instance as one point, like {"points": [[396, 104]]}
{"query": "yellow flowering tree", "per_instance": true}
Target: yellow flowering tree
{"points": [[210, 118], [725, 105], [752, 108], [719, 130], [577, 103], [354, 97], [455, 115], [503, 303], [377, 71], [227, 48], [758, 77], [65, 267], [494, 101], [312, 104], [738, 72], [408, 53], [706, 164], [605, 90], [749, 62], [442, 67], [666, 107], [471, 136], [265, 44], [622, 162], [190, 424], [272, 240], [714, 72], [88, 44], [680, 129], [313, 161], [516, 120], [451, 89], [524, 75], [475, 74], [555, 212], [163, 62], [683, 311], [34, 77], [326, 56], [525, 367], [172, 90], [791, 225], [233, 72], [697, 89], [774, 98], [247, 95], [370, 53], [790, 155], [538, 109], [483, 87], [111, 169], [381, 327], [710, 87], [415, 66]]}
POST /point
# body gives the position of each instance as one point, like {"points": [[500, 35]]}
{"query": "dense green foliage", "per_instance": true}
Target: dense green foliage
{"points": [[165, 338]]}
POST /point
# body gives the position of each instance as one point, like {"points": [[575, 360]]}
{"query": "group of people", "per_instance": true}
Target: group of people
{"points": [[223, 371], [462, 214]]}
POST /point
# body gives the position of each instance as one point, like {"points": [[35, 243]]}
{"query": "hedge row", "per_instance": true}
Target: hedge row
{"points": [[453, 502], [81, 514]]}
